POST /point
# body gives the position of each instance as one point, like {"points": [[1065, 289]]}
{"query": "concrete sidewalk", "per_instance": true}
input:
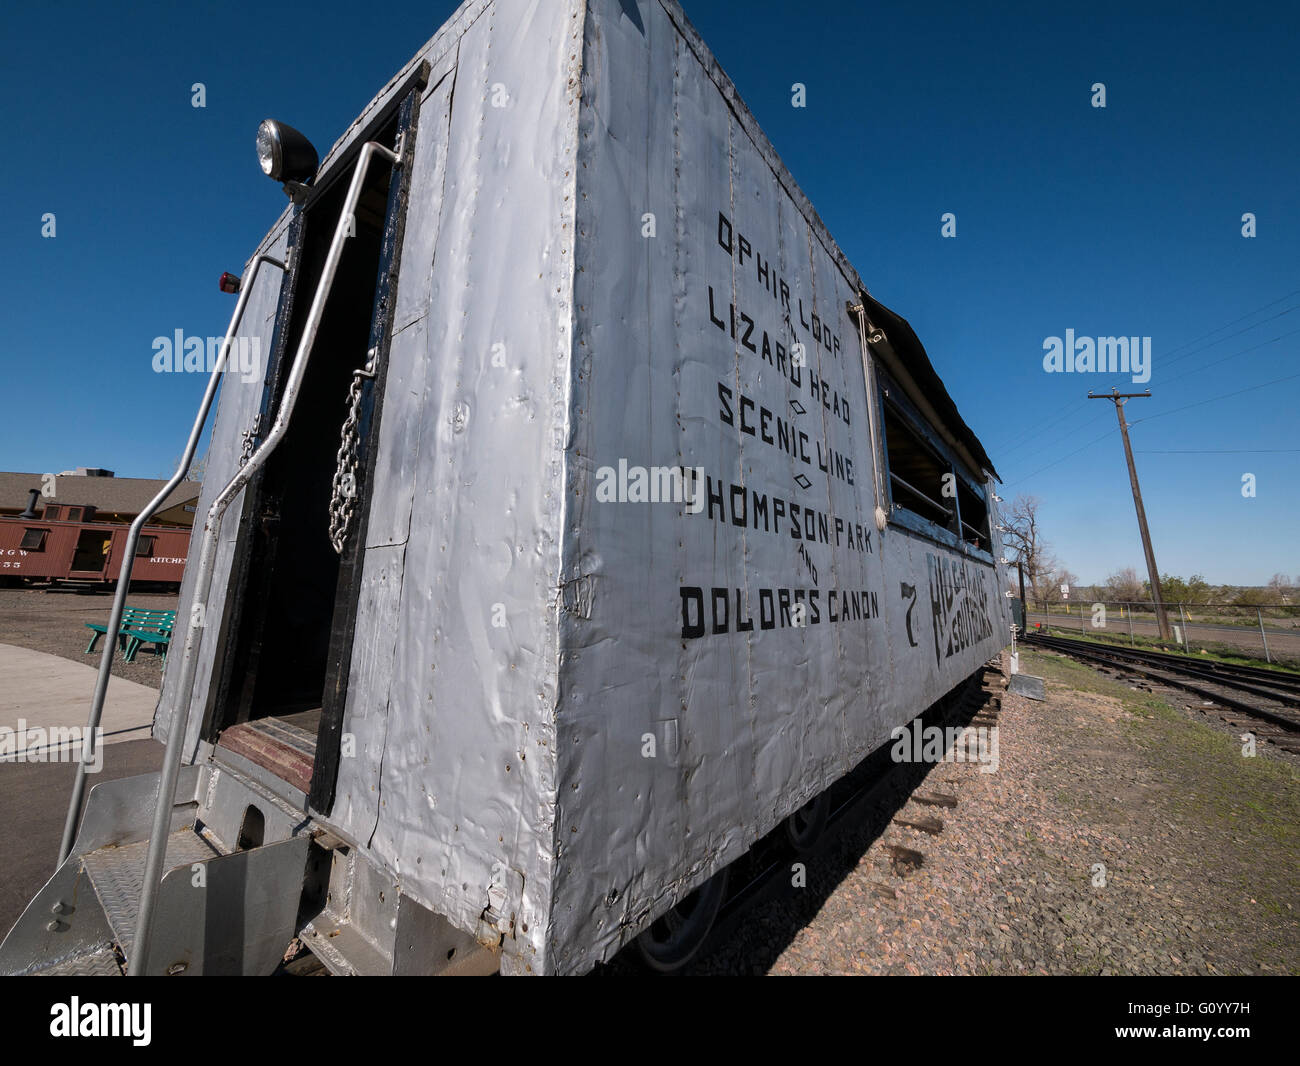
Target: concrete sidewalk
{"points": [[46, 691]]}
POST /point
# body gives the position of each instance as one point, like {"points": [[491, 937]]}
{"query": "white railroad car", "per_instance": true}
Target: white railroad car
{"points": [[589, 521]]}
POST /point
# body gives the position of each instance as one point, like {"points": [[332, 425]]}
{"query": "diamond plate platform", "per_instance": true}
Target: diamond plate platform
{"points": [[118, 877], [101, 963]]}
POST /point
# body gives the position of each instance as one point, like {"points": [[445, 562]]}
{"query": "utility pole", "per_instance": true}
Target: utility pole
{"points": [[1118, 399]]}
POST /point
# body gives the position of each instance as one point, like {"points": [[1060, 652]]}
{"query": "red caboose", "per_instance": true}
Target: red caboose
{"points": [[37, 549]]}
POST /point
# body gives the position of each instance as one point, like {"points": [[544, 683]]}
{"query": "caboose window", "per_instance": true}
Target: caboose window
{"points": [[917, 472], [52, 512], [144, 546], [930, 490], [33, 540], [974, 511]]}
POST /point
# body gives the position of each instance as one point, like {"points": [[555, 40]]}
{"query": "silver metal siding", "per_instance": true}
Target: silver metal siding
{"points": [[763, 719], [452, 788]]}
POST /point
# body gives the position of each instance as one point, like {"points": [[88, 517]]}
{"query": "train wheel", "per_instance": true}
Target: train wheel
{"points": [[804, 828], [673, 939]]}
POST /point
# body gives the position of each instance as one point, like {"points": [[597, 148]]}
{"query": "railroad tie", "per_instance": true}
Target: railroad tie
{"points": [[935, 799], [925, 825], [903, 858]]}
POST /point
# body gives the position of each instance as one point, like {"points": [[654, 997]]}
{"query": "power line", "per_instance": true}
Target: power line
{"points": [[1148, 418], [1020, 435], [1213, 399], [1243, 351], [1207, 347], [1020, 432], [1242, 318], [1216, 451], [1058, 461]]}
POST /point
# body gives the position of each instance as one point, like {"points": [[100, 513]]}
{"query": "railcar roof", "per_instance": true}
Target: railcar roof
{"points": [[907, 345]]}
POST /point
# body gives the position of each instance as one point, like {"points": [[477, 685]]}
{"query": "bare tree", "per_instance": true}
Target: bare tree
{"points": [[1024, 537], [1280, 586], [1125, 586], [198, 468]]}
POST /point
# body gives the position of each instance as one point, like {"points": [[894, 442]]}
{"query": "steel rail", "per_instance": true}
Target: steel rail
{"points": [[207, 557], [1190, 669], [128, 562], [1284, 679], [1082, 650]]}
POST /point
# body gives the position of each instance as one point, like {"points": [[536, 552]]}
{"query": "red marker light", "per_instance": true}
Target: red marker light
{"points": [[229, 282]]}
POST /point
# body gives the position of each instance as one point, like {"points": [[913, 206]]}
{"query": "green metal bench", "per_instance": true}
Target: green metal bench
{"points": [[140, 625]]}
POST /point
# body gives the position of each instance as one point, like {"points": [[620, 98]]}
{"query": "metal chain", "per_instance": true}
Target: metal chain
{"points": [[343, 495], [250, 439]]}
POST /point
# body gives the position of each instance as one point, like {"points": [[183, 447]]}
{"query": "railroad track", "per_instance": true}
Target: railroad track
{"points": [[1261, 695]]}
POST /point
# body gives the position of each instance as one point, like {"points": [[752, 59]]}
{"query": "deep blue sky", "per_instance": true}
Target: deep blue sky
{"points": [[1122, 221]]}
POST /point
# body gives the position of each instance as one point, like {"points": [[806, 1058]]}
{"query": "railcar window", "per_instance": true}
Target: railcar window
{"points": [[916, 472], [144, 546], [52, 512], [33, 540], [925, 480], [974, 510]]}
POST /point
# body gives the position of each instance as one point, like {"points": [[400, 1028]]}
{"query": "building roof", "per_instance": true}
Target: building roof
{"points": [[110, 495]]}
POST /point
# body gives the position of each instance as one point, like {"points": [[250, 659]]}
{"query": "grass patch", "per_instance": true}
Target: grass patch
{"points": [[1249, 806]]}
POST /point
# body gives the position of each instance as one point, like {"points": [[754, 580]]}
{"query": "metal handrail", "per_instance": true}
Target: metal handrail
{"points": [[913, 489], [877, 448], [207, 556], [128, 563]]}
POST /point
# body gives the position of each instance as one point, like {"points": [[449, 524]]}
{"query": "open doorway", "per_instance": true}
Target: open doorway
{"points": [[290, 593], [91, 555]]}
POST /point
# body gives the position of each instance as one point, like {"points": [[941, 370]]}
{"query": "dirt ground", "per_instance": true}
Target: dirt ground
{"points": [[55, 622], [1119, 835]]}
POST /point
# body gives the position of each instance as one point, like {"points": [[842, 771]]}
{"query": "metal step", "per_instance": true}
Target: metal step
{"points": [[117, 874], [101, 963]]}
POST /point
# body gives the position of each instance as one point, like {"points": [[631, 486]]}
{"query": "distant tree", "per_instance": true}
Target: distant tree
{"points": [[1057, 576], [1023, 536], [1192, 590], [1280, 585], [1125, 586], [198, 468]]}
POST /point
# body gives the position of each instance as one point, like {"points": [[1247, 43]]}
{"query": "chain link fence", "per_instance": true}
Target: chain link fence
{"points": [[1270, 632]]}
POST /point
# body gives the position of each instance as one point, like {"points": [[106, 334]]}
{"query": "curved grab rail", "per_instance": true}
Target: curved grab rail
{"points": [[128, 562]]}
